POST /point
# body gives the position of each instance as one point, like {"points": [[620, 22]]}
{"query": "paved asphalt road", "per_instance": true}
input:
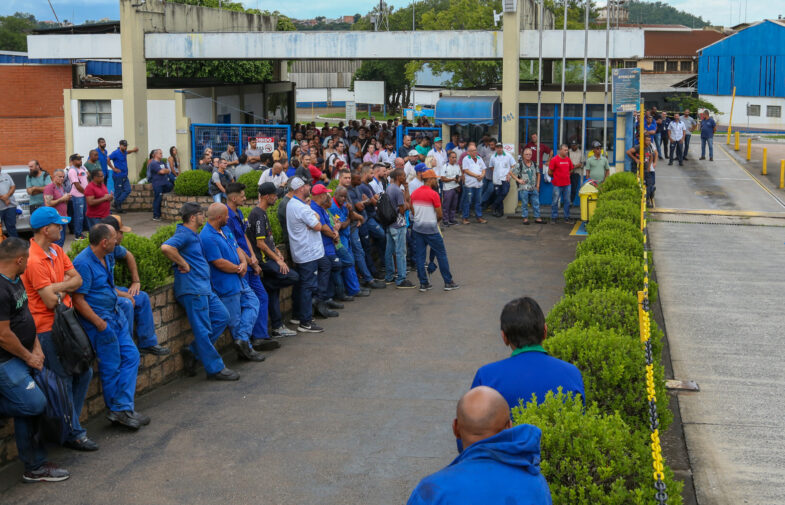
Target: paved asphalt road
{"points": [[721, 284], [356, 415]]}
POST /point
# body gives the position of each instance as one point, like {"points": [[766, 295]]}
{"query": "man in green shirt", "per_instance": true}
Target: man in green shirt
{"points": [[92, 164], [597, 167], [423, 146], [35, 183]]}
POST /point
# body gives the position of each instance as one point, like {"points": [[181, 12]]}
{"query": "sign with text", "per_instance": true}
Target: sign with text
{"points": [[626, 89], [266, 144], [351, 111]]}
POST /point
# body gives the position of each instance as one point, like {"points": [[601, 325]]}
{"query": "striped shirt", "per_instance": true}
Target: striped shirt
{"points": [[425, 201]]}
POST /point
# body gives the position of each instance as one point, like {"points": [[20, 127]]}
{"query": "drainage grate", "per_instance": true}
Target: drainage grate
{"points": [[716, 220]]}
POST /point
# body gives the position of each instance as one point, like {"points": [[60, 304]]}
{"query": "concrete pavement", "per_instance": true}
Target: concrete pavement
{"points": [[356, 415], [720, 278]]}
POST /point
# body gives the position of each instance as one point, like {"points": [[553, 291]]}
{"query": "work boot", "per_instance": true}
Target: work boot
{"points": [[332, 304], [265, 344], [322, 310], [374, 284], [125, 418], [143, 419], [156, 350], [225, 375], [246, 352]]}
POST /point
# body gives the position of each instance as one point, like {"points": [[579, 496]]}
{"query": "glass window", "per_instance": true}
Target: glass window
{"points": [[530, 109], [685, 66], [546, 130], [473, 133], [596, 109], [753, 110], [630, 64], [659, 66], [673, 66], [773, 111], [95, 113]]}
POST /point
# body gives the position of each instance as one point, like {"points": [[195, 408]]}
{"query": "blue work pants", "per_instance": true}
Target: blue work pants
{"points": [[21, 399], [349, 275], [335, 288], [122, 188], [436, 242], [140, 318], [243, 308], [359, 254], [260, 326], [396, 245], [208, 319]]}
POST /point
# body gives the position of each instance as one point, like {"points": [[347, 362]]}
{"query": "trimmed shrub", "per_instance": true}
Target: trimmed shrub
{"points": [[612, 223], [631, 195], [333, 184], [620, 180], [192, 183], [617, 210], [597, 271], [611, 241], [163, 234], [251, 181], [613, 366], [591, 458], [272, 215]]}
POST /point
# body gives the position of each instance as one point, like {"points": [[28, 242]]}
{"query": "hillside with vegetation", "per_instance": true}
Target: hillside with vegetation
{"points": [[660, 13]]}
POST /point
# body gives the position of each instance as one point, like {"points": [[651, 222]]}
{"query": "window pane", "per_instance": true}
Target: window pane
{"points": [[87, 106], [773, 111], [673, 66], [659, 66], [104, 106], [753, 110], [105, 119], [88, 120], [686, 66]]}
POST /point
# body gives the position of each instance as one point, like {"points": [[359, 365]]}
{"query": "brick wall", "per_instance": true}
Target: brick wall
{"points": [[32, 125], [140, 199]]}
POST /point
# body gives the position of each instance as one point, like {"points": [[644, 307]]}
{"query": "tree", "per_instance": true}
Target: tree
{"points": [[14, 30], [663, 14]]}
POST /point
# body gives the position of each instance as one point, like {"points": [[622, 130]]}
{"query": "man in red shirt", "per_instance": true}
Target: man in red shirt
{"points": [[98, 199], [559, 169], [538, 149]]}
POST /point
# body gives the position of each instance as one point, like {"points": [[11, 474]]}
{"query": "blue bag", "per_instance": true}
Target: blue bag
{"points": [[59, 405]]}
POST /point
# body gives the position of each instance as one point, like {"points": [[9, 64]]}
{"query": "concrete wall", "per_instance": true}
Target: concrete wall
{"points": [[740, 117]]}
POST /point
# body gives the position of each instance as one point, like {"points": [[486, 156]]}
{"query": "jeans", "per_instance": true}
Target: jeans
{"points": [[396, 245], [665, 143], [710, 142], [373, 232], [348, 274], [158, 192], [335, 287], [78, 216], [307, 287], [649, 178], [273, 280], [658, 143], [500, 192], [326, 266], [76, 385], [532, 196], [91, 221], [208, 319], [8, 217], [687, 138], [563, 193], [118, 360], [260, 325], [21, 399], [487, 192], [450, 204], [219, 197], [140, 318], [473, 197], [122, 188], [575, 184], [359, 254], [436, 242], [243, 307], [676, 146]]}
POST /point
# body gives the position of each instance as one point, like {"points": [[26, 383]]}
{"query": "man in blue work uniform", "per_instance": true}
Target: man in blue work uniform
{"points": [[330, 281], [103, 159], [235, 196], [529, 371], [228, 266], [134, 302], [106, 327], [119, 158], [206, 314]]}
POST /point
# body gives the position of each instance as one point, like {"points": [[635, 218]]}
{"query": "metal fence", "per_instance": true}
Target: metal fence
{"points": [[429, 132], [219, 136]]}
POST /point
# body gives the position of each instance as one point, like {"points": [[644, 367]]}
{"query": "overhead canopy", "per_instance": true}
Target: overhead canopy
{"points": [[467, 110]]}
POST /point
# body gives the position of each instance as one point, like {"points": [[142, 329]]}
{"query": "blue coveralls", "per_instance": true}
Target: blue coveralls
{"points": [[206, 314], [239, 225], [139, 314], [118, 358], [238, 298], [345, 253]]}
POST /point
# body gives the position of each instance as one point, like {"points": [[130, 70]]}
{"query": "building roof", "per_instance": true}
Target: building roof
{"points": [[666, 83], [777, 22], [663, 44], [102, 27]]}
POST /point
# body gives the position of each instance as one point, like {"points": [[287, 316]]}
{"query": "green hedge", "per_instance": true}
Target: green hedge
{"points": [[616, 224], [631, 195], [610, 241], [592, 458], [163, 233], [615, 209], [613, 366], [272, 215], [597, 271], [620, 180], [192, 183], [333, 184], [251, 181]]}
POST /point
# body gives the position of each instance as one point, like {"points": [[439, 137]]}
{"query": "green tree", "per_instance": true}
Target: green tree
{"points": [[662, 14], [14, 30]]}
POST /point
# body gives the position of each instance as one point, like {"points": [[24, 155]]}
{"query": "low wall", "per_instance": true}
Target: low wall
{"points": [[171, 203], [173, 330], [140, 199]]}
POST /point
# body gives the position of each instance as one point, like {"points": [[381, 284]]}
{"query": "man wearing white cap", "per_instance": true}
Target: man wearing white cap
{"points": [[439, 154]]}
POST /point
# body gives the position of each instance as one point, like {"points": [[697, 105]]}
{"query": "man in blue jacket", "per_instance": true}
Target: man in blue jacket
{"points": [[500, 464], [529, 370]]}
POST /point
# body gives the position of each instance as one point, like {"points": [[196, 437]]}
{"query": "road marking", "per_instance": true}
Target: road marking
{"points": [[719, 212], [767, 190], [577, 227]]}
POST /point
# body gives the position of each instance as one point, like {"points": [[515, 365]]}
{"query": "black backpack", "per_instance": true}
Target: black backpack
{"points": [[71, 343], [386, 213]]}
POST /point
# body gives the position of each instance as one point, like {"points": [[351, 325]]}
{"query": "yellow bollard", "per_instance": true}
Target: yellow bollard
{"points": [[782, 174], [736, 142], [749, 149], [765, 153]]}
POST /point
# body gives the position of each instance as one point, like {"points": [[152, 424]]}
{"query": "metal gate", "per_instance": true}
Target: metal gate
{"points": [[219, 136], [428, 131]]}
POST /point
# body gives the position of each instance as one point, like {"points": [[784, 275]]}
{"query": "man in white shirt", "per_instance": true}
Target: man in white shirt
{"points": [[502, 163], [389, 154], [676, 136], [450, 179], [474, 172], [576, 156], [689, 125], [439, 155], [276, 175], [411, 161], [379, 172], [305, 244]]}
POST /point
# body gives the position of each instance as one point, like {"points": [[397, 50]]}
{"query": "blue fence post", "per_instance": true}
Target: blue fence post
{"points": [[193, 147], [628, 127], [239, 141]]}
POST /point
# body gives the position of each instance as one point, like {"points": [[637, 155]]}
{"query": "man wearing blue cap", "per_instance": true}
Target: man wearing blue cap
{"points": [[415, 183]]}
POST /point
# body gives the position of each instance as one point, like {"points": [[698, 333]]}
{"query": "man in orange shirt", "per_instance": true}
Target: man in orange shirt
{"points": [[49, 276]]}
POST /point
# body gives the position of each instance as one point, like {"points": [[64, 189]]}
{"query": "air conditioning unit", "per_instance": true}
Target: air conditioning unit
{"points": [[509, 5]]}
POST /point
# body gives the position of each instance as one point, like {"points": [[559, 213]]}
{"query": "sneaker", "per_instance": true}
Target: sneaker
{"points": [[125, 418], [569, 221], [294, 322], [156, 219], [363, 292], [48, 472], [374, 284], [451, 286], [391, 281], [310, 328], [283, 331], [405, 284], [426, 287], [83, 444], [225, 375]]}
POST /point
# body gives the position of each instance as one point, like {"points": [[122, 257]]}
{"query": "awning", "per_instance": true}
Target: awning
{"points": [[467, 110]]}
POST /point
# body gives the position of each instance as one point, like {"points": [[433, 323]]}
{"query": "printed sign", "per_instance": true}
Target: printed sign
{"points": [[509, 149], [626, 89], [266, 144], [351, 111]]}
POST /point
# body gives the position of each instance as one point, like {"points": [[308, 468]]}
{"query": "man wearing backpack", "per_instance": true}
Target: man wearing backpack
{"points": [[20, 356], [395, 198], [50, 274]]}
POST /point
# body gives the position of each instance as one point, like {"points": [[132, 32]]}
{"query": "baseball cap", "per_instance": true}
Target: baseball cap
{"points": [[296, 183], [267, 188], [320, 189], [596, 143], [437, 139], [414, 152], [75, 157], [573, 142], [420, 167], [123, 142], [429, 174], [44, 216]]}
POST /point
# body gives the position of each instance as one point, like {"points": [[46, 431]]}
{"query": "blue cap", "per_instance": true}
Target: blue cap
{"points": [[420, 167], [44, 216]]}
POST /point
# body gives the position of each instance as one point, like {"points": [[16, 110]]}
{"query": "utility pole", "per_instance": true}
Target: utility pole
{"points": [[607, 64], [563, 75]]}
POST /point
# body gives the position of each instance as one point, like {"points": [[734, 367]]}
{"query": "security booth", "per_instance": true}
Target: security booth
{"points": [[469, 116]]}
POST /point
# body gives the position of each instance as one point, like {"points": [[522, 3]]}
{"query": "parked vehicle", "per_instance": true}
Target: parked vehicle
{"points": [[19, 174]]}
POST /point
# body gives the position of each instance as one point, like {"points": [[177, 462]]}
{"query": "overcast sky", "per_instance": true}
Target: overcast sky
{"points": [[718, 12]]}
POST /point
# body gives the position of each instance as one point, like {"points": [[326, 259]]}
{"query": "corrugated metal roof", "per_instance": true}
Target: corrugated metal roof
{"points": [[92, 67], [664, 83], [678, 43]]}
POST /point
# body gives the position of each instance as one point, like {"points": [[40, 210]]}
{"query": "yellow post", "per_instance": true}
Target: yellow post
{"points": [[736, 142], [749, 149], [642, 144], [730, 121], [765, 153], [782, 174]]}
